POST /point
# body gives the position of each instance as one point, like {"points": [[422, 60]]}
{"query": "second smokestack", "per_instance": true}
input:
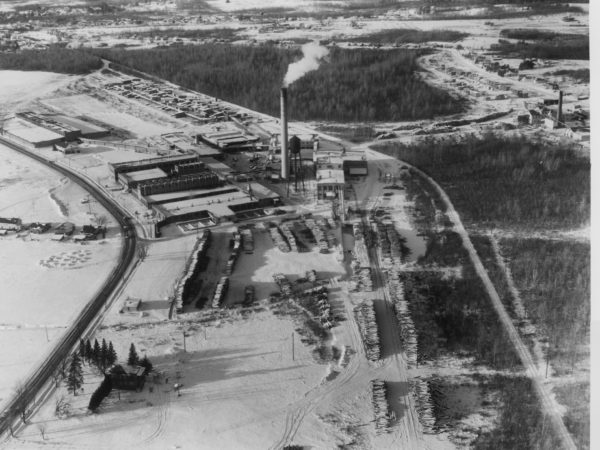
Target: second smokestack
{"points": [[559, 112], [285, 165]]}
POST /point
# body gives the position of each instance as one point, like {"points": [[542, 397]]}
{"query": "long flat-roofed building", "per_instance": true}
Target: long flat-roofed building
{"points": [[29, 134], [132, 179], [165, 163], [67, 131]]}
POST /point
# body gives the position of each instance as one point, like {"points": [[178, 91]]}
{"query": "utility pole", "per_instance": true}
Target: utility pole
{"points": [[184, 350], [47, 338], [293, 353]]}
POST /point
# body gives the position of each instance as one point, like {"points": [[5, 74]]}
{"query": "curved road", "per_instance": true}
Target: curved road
{"points": [[36, 382]]}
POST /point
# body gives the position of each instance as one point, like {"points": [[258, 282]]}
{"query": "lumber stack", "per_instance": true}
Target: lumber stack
{"points": [[367, 323], [184, 290], [278, 238], [422, 395], [235, 253], [284, 284], [247, 240], [318, 230], [408, 334], [316, 302], [287, 233], [220, 292], [381, 407]]}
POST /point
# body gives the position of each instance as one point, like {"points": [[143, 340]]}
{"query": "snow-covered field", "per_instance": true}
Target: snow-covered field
{"points": [[44, 283], [18, 87], [83, 104], [237, 383]]}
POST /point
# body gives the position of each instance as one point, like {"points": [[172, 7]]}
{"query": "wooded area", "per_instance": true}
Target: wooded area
{"points": [[55, 59], [507, 182], [354, 85], [409, 35]]}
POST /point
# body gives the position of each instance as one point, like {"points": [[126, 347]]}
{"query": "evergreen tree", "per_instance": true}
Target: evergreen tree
{"points": [[81, 350], [133, 359], [111, 356], [88, 351], [103, 355], [75, 375], [100, 394], [145, 362], [96, 353]]}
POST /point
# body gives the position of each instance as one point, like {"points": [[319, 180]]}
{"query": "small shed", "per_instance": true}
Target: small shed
{"points": [[132, 305]]}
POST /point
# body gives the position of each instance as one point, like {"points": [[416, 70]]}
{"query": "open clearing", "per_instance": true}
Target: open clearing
{"points": [[45, 283]]}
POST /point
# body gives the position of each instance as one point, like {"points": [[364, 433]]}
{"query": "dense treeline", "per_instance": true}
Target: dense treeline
{"points": [[507, 182], [536, 34], [521, 425], [453, 315], [561, 47], [354, 85], [409, 35], [582, 75], [198, 33], [553, 278], [576, 397], [60, 60]]}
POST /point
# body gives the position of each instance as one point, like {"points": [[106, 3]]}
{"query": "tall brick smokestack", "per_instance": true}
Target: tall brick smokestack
{"points": [[285, 164], [559, 112]]}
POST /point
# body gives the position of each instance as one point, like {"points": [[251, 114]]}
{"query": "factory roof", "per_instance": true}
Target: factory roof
{"points": [[187, 194], [143, 175], [85, 127], [29, 131], [259, 191], [218, 167], [159, 160], [330, 176], [218, 205]]}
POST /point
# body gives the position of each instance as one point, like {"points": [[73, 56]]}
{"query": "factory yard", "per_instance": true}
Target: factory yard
{"points": [[291, 288]]}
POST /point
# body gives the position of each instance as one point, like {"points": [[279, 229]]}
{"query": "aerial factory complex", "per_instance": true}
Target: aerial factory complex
{"points": [[316, 226]]}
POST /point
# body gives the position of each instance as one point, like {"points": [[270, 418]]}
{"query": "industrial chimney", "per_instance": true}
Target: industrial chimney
{"points": [[285, 164], [559, 113]]}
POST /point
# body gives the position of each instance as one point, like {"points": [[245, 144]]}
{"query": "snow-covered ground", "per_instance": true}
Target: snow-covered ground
{"points": [[44, 283], [20, 87]]}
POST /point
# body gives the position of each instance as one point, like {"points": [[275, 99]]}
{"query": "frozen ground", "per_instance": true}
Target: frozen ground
{"points": [[44, 283], [20, 87], [236, 385]]}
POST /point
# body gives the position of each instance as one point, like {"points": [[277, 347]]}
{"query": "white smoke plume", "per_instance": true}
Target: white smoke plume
{"points": [[312, 53]]}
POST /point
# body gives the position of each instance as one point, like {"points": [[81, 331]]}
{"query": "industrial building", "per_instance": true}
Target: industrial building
{"points": [[165, 163], [131, 180], [187, 144], [86, 129], [34, 130], [189, 168], [68, 132], [202, 180], [29, 134], [355, 166], [330, 184], [227, 136]]}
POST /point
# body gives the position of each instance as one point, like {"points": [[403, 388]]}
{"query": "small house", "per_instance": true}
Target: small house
{"points": [[130, 378], [12, 224], [66, 228]]}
